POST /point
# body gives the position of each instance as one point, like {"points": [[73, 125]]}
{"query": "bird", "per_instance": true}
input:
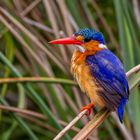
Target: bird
{"points": [[98, 71]]}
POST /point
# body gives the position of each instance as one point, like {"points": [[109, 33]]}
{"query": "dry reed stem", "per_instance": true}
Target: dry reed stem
{"points": [[105, 24], [96, 121], [37, 24], [22, 111], [31, 115], [68, 27], [70, 125], [22, 41], [30, 7], [34, 39], [76, 129], [136, 9], [64, 12], [92, 125], [133, 70], [53, 20], [31, 37], [51, 16], [89, 16], [36, 79]]}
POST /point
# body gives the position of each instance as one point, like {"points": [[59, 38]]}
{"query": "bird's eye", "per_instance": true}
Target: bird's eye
{"points": [[86, 40], [80, 38]]}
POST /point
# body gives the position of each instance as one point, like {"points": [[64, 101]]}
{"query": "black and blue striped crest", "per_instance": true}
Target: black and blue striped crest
{"points": [[90, 34]]}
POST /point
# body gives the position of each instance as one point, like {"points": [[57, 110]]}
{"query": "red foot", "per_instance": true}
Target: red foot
{"points": [[88, 107]]}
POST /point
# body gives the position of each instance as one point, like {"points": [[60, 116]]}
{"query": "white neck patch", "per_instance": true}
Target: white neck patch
{"points": [[80, 48], [102, 46]]}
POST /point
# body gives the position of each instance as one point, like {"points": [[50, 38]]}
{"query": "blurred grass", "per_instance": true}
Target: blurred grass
{"points": [[128, 37], [25, 29]]}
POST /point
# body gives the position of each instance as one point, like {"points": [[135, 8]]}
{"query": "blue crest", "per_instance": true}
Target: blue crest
{"points": [[91, 34]]}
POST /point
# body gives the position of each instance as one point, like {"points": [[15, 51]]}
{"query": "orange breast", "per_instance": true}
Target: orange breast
{"points": [[86, 81]]}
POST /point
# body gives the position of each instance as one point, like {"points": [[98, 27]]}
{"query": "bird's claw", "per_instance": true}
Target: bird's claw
{"points": [[88, 107]]}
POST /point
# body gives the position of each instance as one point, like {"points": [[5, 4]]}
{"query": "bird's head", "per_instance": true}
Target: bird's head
{"points": [[85, 39]]}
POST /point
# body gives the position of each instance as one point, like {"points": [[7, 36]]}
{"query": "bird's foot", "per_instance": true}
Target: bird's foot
{"points": [[88, 107]]}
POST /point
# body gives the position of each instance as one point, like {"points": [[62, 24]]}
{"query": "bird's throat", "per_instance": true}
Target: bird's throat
{"points": [[91, 47], [81, 48]]}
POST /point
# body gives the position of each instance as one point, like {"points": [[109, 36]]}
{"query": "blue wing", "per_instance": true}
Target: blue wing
{"points": [[110, 75]]}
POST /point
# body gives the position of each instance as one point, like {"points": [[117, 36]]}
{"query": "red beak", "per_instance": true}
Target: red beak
{"points": [[68, 40]]}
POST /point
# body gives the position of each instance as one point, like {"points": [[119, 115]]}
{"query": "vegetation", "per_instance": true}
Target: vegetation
{"points": [[38, 96]]}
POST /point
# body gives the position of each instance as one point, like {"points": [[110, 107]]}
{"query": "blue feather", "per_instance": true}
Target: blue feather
{"points": [[121, 109], [108, 71]]}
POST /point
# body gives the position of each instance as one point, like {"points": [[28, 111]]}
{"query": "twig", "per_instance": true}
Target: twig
{"points": [[23, 111], [133, 70], [37, 79], [76, 129], [37, 24], [97, 121], [30, 7], [70, 125], [89, 128]]}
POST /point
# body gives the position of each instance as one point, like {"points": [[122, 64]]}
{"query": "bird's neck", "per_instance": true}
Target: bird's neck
{"points": [[93, 46], [90, 48]]}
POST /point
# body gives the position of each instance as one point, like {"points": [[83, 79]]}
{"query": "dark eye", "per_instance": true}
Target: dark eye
{"points": [[87, 40]]}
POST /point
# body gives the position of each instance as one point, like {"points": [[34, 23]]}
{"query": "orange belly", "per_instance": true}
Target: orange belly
{"points": [[84, 78]]}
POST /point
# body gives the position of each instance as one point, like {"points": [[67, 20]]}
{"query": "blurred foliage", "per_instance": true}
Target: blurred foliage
{"points": [[26, 27]]}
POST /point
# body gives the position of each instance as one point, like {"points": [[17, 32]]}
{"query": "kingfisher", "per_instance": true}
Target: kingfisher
{"points": [[99, 73]]}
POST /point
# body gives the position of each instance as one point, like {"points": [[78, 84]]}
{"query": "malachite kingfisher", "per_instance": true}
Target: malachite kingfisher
{"points": [[99, 73]]}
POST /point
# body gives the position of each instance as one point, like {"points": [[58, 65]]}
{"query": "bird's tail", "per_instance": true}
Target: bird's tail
{"points": [[121, 108]]}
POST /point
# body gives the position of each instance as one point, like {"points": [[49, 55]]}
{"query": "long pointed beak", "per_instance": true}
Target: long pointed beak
{"points": [[67, 40]]}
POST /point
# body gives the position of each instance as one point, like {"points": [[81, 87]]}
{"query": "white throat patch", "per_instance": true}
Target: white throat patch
{"points": [[102, 46], [80, 48]]}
